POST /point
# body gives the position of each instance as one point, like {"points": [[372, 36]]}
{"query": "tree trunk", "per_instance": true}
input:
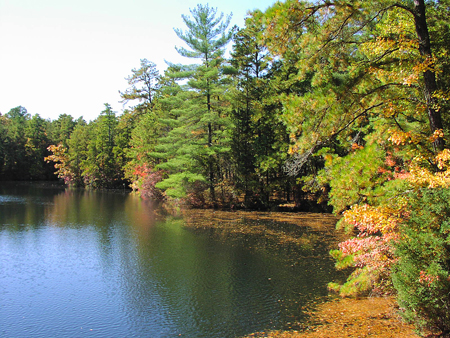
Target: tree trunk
{"points": [[429, 76], [210, 160]]}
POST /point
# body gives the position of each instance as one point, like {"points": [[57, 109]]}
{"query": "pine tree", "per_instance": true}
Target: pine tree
{"points": [[61, 128], [249, 114], [374, 113], [15, 157], [77, 154], [101, 167], [199, 120], [144, 86], [36, 147]]}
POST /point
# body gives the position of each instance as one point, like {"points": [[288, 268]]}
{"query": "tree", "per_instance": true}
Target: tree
{"points": [[373, 113], [179, 149], [202, 117], [36, 148], [258, 135], [62, 128], [3, 144], [101, 167], [362, 64], [144, 84], [16, 164], [428, 73], [421, 274], [77, 154], [140, 124], [141, 147]]}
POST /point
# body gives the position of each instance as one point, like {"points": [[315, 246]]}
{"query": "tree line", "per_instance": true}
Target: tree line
{"points": [[207, 133], [342, 102]]}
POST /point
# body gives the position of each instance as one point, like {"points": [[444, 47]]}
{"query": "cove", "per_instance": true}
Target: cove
{"points": [[79, 263]]}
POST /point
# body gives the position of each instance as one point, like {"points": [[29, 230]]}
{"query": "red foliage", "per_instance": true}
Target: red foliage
{"points": [[147, 179]]}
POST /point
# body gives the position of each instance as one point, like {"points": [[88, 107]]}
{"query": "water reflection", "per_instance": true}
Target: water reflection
{"points": [[78, 263]]}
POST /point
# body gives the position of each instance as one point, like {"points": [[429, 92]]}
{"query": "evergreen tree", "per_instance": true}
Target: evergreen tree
{"points": [[3, 144], [374, 114], [77, 154], [36, 148], [259, 137], [16, 164], [199, 121], [251, 61], [101, 167], [144, 84], [61, 129]]}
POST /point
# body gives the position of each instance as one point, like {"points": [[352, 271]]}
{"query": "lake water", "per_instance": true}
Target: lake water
{"points": [[76, 263]]}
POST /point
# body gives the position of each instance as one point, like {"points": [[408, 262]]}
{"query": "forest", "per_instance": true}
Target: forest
{"points": [[341, 105]]}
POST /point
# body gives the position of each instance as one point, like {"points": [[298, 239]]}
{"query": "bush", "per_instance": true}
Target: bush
{"points": [[421, 274]]}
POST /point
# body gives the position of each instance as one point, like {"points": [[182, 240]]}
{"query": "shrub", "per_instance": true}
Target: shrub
{"points": [[421, 274]]}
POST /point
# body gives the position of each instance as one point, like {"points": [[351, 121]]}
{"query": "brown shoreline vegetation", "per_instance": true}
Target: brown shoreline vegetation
{"points": [[279, 229], [353, 318], [342, 317]]}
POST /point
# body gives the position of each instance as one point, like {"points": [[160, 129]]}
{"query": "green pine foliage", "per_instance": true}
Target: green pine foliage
{"points": [[422, 273], [195, 143], [23, 145], [102, 167], [78, 145], [355, 178]]}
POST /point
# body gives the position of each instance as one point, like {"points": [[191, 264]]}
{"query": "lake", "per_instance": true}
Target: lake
{"points": [[80, 263]]}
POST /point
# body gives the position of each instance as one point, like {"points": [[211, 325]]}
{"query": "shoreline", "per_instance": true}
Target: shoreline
{"points": [[353, 318], [339, 317]]}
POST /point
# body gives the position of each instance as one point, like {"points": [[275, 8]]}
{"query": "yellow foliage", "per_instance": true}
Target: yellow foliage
{"points": [[399, 137], [422, 176], [370, 219], [439, 133], [61, 159]]}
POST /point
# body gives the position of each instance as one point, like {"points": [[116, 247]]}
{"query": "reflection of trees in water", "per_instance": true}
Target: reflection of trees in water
{"points": [[210, 285], [166, 279], [23, 205], [303, 234], [204, 286]]}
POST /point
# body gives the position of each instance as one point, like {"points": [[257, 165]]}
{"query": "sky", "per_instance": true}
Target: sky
{"points": [[71, 57]]}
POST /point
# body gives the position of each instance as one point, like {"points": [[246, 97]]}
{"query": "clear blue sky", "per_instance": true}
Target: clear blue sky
{"points": [[61, 56]]}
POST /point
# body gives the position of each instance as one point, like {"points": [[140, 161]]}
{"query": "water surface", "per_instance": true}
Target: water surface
{"points": [[77, 263]]}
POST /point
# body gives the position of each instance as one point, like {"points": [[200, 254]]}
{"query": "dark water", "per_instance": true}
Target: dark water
{"points": [[103, 264]]}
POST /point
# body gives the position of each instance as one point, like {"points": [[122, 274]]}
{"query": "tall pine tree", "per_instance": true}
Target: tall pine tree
{"points": [[198, 122]]}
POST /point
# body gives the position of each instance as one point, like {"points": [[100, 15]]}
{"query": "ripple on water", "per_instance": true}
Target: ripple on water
{"points": [[99, 262], [4, 199]]}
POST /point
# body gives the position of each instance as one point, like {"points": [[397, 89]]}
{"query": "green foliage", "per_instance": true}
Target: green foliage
{"points": [[23, 146], [102, 167], [422, 273], [342, 261], [179, 184], [36, 147], [354, 178], [61, 129], [359, 283], [144, 86], [378, 94], [15, 156], [258, 138], [78, 152], [207, 33], [195, 140]]}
